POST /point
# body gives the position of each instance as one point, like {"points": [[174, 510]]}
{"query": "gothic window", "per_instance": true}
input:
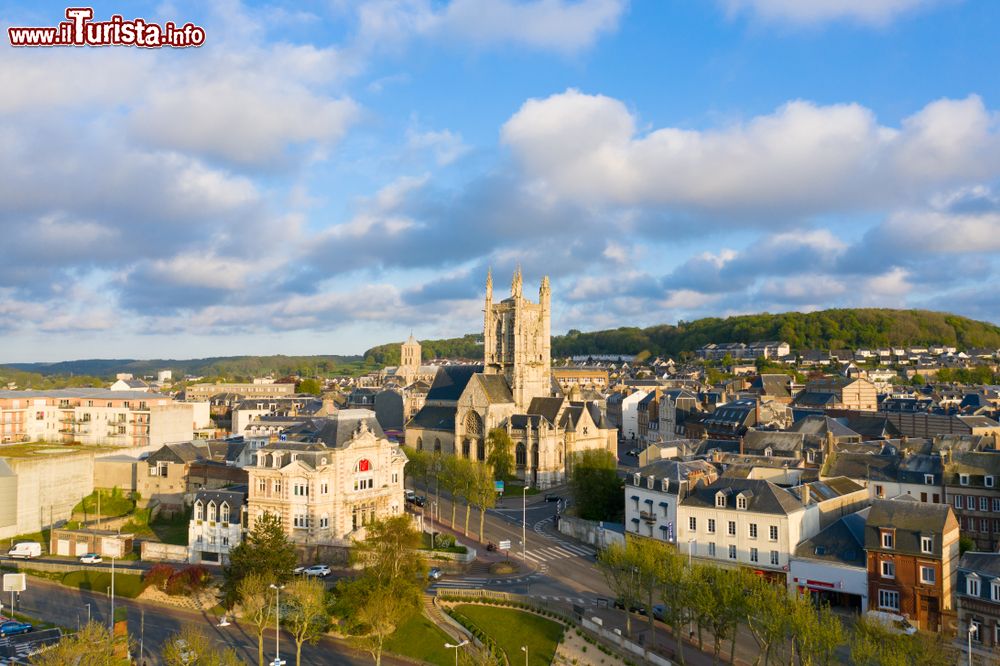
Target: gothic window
{"points": [[211, 511], [198, 511], [521, 455], [437, 445], [534, 455], [481, 450], [473, 425], [224, 513], [465, 448], [420, 443]]}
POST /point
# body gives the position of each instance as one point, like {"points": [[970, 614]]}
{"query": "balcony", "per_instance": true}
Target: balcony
{"points": [[648, 516]]}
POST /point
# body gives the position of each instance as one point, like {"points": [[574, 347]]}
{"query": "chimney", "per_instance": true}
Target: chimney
{"points": [[742, 449], [805, 494]]}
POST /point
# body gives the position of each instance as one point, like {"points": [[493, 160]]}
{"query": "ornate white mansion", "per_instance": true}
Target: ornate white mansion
{"points": [[513, 390]]}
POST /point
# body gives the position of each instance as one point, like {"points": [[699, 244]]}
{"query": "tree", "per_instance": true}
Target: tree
{"points": [[254, 593], [500, 454], [266, 550], [91, 646], [191, 647], [768, 618], [616, 563], [453, 479], [307, 615], [311, 386], [381, 613], [482, 492], [597, 491], [674, 592], [389, 553], [817, 633], [723, 604]]}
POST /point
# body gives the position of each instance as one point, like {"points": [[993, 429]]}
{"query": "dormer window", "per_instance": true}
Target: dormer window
{"points": [[963, 479], [972, 585], [224, 513], [199, 511], [988, 481], [741, 502], [888, 539], [810, 456], [650, 481], [929, 479], [720, 500], [927, 545], [637, 479], [768, 452]]}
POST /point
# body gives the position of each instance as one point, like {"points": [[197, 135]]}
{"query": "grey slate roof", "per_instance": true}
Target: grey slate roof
{"points": [[864, 466], [234, 498], [815, 424], [496, 388], [781, 443], [179, 452], [546, 407], [764, 497], [843, 542], [451, 380], [434, 418], [984, 563], [911, 520], [333, 431]]}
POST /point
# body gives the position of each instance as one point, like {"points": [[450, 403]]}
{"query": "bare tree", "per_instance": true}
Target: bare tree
{"points": [[91, 646], [307, 616], [191, 647], [254, 595], [616, 563]]}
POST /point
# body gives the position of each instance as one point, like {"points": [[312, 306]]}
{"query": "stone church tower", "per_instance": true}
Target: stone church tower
{"points": [[517, 340], [409, 359]]}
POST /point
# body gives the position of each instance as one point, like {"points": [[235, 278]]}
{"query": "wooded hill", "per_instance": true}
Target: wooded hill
{"points": [[824, 330]]}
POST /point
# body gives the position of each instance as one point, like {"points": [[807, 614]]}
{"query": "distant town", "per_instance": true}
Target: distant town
{"points": [[850, 497]]}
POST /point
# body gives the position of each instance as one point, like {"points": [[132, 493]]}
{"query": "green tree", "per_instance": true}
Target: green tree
{"points": [[724, 604], [90, 646], [453, 477], [817, 633], [311, 386], [500, 454], [389, 552], [482, 492], [266, 550], [307, 615], [191, 647], [254, 594], [768, 618], [380, 614], [673, 582], [617, 564], [597, 491]]}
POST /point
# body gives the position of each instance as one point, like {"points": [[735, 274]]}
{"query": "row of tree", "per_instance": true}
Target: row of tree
{"points": [[787, 628], [467, 481]]}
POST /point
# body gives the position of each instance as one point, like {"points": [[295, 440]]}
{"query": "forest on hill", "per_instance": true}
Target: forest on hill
{"points": [[826, 329]]}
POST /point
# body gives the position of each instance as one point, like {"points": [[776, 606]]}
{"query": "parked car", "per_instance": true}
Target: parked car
{"points": [[435, 573], [25, 550], [184, 651], [409, 495], [658, 610], [320, 570], [13, 628], [635, 608], [894, 623], [420, 500], [552, 497], [297, 571], [91, 558]]}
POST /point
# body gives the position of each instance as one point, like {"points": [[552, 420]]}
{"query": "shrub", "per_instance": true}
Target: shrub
{"points": [[188, 581], [158, 575]]}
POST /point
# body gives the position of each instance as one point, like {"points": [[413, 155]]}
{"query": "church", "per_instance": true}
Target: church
{"points": [[513, 389]]}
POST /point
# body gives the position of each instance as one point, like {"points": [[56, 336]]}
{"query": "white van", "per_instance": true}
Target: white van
{"points": [[894, 623], [25, 550]]}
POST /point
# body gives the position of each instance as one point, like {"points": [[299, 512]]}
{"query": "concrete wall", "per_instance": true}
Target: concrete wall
{"points": [[154, 551], [590, 532], [48, 487], [173, 422], [115, 473]]}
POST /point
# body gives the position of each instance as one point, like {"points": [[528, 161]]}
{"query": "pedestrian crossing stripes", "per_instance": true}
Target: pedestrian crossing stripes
{"points": [[550, 553], [579, 601], [470, 583]]}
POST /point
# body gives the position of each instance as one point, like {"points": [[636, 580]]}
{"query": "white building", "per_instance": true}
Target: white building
{"points": [[832, 565], [217, 525], [630, 414], [652, 495], [753, 523]]}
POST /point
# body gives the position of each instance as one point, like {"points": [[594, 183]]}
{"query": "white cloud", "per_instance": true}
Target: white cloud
{"points": [[801, 159], [446, 146], [872, 12], [559, 25]]}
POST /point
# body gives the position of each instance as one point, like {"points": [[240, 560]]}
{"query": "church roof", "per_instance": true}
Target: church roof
{"points": [[547, 407], [496, 388], [434, 418], [451, 380]]}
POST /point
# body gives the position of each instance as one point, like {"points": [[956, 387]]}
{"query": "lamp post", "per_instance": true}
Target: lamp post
{"points": [[690, 551], [88, 613], [524, 648], [455, 648], [112, 594], [277, 623], [524, 521], [972, 630]]}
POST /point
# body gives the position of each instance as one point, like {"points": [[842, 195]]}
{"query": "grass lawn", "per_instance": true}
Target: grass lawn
{"points": [[113, 503], [511, 629], [126, 585], [419, 639]]}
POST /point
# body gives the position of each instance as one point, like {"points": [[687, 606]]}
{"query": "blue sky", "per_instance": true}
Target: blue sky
{"points": [[321, 177]]}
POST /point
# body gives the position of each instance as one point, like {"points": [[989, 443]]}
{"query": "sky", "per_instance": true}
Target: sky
{"points": [[321, 177]]}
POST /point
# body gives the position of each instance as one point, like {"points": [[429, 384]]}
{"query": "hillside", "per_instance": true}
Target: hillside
{"points": [[826, 329]]}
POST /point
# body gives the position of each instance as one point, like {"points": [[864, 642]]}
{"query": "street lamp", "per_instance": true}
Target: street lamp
{"points": [[455, 648], [691, 543], [524, 649], [278, 661], [972, 630]]}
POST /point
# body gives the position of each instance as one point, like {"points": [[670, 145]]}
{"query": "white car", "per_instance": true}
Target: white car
{"points": [[320, 570], [297, 571], [91, 558], [894, 623], [184, 651]]}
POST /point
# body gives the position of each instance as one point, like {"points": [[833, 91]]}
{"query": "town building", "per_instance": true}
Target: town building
{"points": [[831, 564], [653, 493], [205, 391], [972, 488], [978, 598], [328, 478], [912, 554], [218, 521]]}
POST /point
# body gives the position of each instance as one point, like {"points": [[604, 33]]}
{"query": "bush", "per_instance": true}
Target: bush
{"points": [[188, 581], [158, 575]]}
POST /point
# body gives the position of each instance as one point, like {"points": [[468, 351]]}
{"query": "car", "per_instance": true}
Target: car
{"points": [[91, 558], [552, 497], [658, 610], [320, 570], [297, 571], [409, 495], [435, 574], [634, 608], [894, 623], [420, 500], [184, 651], [632, 452], [13, 628]]}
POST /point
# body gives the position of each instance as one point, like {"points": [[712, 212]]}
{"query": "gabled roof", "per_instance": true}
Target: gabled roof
{"points": [[431, 417], [451, 380], [864, 466], [179, 452], [910, 520], [233, 498], [843, 542], [783, 442], [496, 388], [546, 407], [981, 563], [767, 497], [333, 431], [815, 424]]}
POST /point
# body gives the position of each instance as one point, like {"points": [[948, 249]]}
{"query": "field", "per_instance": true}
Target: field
{"points": [[512, 629]]}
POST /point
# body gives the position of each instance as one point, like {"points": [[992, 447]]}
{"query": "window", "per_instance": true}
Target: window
{"points": [[984, 504], [888, 600], [753, 530], [163, 467], [741, 502], [972, 585], [211, 512], [364, 484], [732, 552], [926, 545], [395, 477], [963, 479], [711, 525], [300, 520], [224, 513], [324, 488], [977, 636], [772, 532], [753, 554], [211, 540], [277, 486], [810, 456], [774, 558], [199, 511], [996, 503], [927, 575], [887, 540], [984, 525], [225, 541], [929, 479], [692, 523], [996, 634], [300, 490], [732, 528], [324, 521], [988, 481], [958, 501], [720, 500], [262, 486], [879, 491], [711, 549], [995, 590], [888, 569]]}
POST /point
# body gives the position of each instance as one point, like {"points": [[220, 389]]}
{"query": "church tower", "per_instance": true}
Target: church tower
{"points": [[517, 340], [409, 359]]}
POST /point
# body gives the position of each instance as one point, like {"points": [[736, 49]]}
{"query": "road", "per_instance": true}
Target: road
{"points": [[155, 624]]}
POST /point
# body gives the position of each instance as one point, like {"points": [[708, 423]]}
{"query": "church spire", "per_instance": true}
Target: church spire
{"points": [[516, 283], [489, 283]]}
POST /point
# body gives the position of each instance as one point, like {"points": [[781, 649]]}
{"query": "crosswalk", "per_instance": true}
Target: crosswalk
{"points": [[551, 553], [464, 583]]}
